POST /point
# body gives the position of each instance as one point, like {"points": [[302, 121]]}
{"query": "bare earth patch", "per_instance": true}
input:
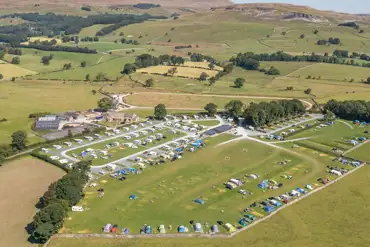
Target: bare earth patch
{"points": [[22, 182]]}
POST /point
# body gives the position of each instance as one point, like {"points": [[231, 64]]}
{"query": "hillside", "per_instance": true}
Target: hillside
{"points": [[279, 11], [77, 3]]}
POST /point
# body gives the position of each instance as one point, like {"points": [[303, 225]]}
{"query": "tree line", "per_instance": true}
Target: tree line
{"points": [[260, 114], [350, 109], [59, 48], [333, 41], [250, 60], [128, 21], [57, 200], [146, 6], [51, 24]]}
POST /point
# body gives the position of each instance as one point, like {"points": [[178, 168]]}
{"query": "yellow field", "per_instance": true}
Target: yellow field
{"points": [[10, 70], [181, 71], [201, 65], [32, 39]]}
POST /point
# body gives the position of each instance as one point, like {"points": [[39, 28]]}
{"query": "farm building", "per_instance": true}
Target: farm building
{"points": [[121, 117], [50, 122], [218, 130]]}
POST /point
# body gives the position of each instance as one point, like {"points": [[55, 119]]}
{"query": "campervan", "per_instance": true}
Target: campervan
{"points": [[57, 147]]}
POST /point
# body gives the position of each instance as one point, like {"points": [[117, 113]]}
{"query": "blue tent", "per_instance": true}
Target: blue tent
{"points": [[263, 185], [148, 229], [130, 169], [178, 150], [132, 197], [363, 123], [301, 191], [269, 209], [126, 231], [356, 121], [242, 222], [276, 203], [199, 201], [122, 172], [355, 163], [181, 228]]}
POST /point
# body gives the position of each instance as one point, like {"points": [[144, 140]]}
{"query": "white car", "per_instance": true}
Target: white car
{"points": [[54, 157], [102, 172], [243, 192]]}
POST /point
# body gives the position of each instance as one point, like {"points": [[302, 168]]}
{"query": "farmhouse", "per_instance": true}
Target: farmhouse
{"points": [[121, 117]]}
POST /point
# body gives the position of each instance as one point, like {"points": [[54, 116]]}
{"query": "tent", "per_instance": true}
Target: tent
{"points": [[250, 216], [300, 190], [130, 169], [214, 228], [198, 227], [114, 228], [125, 231], [308, 186], [161, 229], [181, 229], [199, 201], [132, 197], [148, 229], [179, 150], [264, 184], [355, 163], [275, 203], [242, 222], [230, 228], [269, 209], [122, 172], [107, 228], [356, 121]]}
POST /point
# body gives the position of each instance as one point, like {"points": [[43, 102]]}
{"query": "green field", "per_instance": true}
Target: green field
{"points": [[296, 225], [361, 153], [199, 174], [18, 100]]}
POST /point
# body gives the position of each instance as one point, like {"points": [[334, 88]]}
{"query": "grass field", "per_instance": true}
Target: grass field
{"points": [[10, 70], [196, 175], [92, 30], [18, 100], [181, 71], [31, 60], [32, 39], [321, 220], [33, 178], [183, 100], [361, 153], [335, 136]]}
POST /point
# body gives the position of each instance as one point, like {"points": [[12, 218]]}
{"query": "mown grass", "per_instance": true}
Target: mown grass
{"points": [[200, 174], [320, 220], [18, 100]]}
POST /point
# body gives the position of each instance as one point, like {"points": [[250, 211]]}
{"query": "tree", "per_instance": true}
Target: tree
{"points": [[93, 91], [272, 71], [67, 66], [4, 152], [70, 134], [212, 80], [330, 115], [19, 140], [172, 71], [211, 109], [211, 66], [105, 103], [16, 60], [368, 80], [179, 60], [149, 82], [160, 111], [43, 232], [234, 108], [315, 31], [129, 69], [302, 36], [45, 60], [83, 64], [239, 82], [308, 91], [100, 76], [87, 77], [289, 88], [203, 76], [1, 76]]}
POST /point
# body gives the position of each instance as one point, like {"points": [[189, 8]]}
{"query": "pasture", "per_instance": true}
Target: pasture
{"points": [[32, 178], [18, 100], [10, 70], [185, 100], [322, 215], [181, 71], [166, 189]]}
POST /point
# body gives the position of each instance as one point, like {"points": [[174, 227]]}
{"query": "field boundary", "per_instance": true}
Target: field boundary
{"points": [[205, 235]]}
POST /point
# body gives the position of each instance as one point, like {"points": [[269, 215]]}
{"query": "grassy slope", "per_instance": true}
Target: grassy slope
{"points": [[321, 220]]}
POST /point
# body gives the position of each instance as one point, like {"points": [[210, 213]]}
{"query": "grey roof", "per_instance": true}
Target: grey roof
{"points": [[219, 129]]}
